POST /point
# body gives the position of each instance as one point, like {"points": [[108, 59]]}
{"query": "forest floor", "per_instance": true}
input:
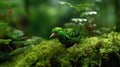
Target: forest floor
{"points": [[100, 51]]}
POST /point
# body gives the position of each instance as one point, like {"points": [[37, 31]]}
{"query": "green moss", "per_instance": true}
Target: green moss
{"points": [[94, 51]]}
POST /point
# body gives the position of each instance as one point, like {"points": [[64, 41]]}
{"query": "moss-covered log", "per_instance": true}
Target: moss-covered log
{"points": [[103, 51]]}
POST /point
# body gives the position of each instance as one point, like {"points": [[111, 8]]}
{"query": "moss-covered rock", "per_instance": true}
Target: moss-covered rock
{"points": [[103, 51]]}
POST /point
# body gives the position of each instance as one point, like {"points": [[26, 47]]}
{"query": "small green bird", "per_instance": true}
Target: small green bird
{"points": [[68, 37]]}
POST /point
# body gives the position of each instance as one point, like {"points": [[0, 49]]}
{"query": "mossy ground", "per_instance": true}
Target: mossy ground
{"points": [[102, 51]]}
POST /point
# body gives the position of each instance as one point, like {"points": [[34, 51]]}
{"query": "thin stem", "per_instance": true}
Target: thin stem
{"points": [[10, 47]]}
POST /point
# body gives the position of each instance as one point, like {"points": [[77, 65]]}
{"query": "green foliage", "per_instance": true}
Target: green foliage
{"points": [[86, 20], [13, 41], [81, 7], [93, 51], [12, 12], [9, 32], [8, 35], [33, 40], [5, 41]]}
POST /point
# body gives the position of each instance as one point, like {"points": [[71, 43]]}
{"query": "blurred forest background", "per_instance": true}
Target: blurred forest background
{"points": [[25, 28], [38, 17]]}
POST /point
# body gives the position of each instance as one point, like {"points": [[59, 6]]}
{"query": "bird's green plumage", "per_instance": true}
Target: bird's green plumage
{"points": [[57, 29], [68, 36]]}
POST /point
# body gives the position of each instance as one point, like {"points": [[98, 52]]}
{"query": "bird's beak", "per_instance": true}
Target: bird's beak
{"points": [[53, 34]]}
